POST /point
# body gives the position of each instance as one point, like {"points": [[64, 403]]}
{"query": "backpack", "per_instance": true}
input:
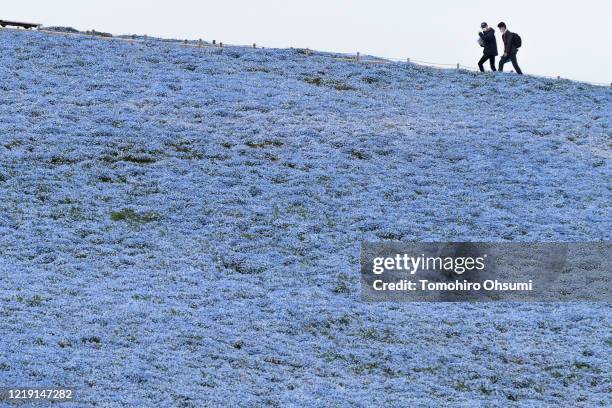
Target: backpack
{"points": [[517, 40]]}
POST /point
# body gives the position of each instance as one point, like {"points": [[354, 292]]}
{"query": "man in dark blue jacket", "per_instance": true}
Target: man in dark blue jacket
{"points": [[487, 37], [510, 49]]}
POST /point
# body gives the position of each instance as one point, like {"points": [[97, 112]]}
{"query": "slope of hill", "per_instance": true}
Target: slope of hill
{"points": [[181, 226]]}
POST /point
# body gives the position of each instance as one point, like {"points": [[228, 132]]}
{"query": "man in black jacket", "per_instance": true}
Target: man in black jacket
{"points": [[510, 49], [487, 37]]}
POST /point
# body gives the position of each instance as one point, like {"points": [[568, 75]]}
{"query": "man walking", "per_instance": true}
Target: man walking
{"points": [[511, 44], [487, 37]]}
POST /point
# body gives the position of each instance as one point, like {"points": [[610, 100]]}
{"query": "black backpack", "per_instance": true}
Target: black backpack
{"points": [[516, 40]]}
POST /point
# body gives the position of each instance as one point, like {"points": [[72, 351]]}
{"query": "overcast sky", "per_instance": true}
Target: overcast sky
{"points": [[567, 38]]}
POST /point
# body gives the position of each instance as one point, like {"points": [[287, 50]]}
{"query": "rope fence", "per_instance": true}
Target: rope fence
{"points": [[357, 57], [469, 68]]}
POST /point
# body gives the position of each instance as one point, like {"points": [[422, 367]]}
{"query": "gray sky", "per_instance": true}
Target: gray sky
{"points": [[567, 38]]}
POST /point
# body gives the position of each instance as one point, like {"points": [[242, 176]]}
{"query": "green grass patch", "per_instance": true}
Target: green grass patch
{"points": [[133, 217]]}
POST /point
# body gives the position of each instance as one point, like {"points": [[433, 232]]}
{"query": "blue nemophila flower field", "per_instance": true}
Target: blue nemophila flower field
{"points": [[181, 226]]}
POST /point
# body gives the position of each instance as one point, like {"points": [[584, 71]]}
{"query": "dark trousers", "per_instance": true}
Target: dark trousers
{"points": [[511, 57], [484, 59]]}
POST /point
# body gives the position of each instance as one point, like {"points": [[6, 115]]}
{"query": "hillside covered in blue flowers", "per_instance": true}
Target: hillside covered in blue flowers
{"points": [[181, 226]]}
